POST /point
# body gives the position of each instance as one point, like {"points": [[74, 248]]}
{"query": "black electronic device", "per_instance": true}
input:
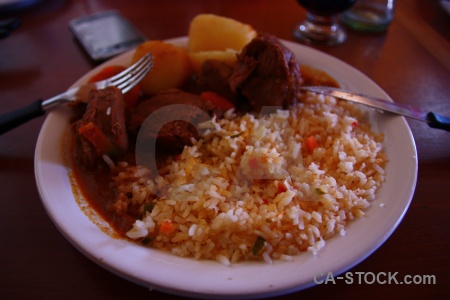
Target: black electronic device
{"points": [[106, 34]]}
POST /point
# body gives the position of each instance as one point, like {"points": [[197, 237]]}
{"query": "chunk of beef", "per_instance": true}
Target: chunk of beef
{"points": [[267, 73], [214, 77], [174, 135], [102, 129]]}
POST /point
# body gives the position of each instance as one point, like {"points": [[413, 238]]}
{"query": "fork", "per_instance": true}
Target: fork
{"points": [[125, 81]]}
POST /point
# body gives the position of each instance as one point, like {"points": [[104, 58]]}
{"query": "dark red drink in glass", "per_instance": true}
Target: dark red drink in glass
{"points": [[326, 7], [322, 22]]}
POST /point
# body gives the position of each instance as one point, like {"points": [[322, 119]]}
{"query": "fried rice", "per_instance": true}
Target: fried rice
{"points": [[254, 188]]}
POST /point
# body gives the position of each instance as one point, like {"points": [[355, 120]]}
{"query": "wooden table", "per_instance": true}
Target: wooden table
{"points": [[411, 62]]}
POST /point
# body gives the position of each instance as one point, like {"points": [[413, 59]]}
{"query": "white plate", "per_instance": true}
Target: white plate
{"points": [[209, 279]]}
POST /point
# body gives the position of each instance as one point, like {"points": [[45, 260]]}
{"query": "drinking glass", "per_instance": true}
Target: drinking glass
{"points": [[370, 15], [322, 24]]}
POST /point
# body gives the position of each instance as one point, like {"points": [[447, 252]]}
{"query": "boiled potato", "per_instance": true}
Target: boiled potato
{"points": [[197, 58], [208, 32], [171, 66]]}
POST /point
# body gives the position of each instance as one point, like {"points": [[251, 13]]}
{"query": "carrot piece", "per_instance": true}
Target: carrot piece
{"points": [[311, 143], [253, 163], [281, 187], [131, 97], [217, 100], [97, 138], [167, 227]]}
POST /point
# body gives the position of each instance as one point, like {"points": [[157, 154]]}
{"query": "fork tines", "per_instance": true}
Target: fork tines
{"points": [[128, 78]]}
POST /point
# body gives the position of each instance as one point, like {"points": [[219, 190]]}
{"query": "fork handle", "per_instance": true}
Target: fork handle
{"points": [[22, 115]]}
